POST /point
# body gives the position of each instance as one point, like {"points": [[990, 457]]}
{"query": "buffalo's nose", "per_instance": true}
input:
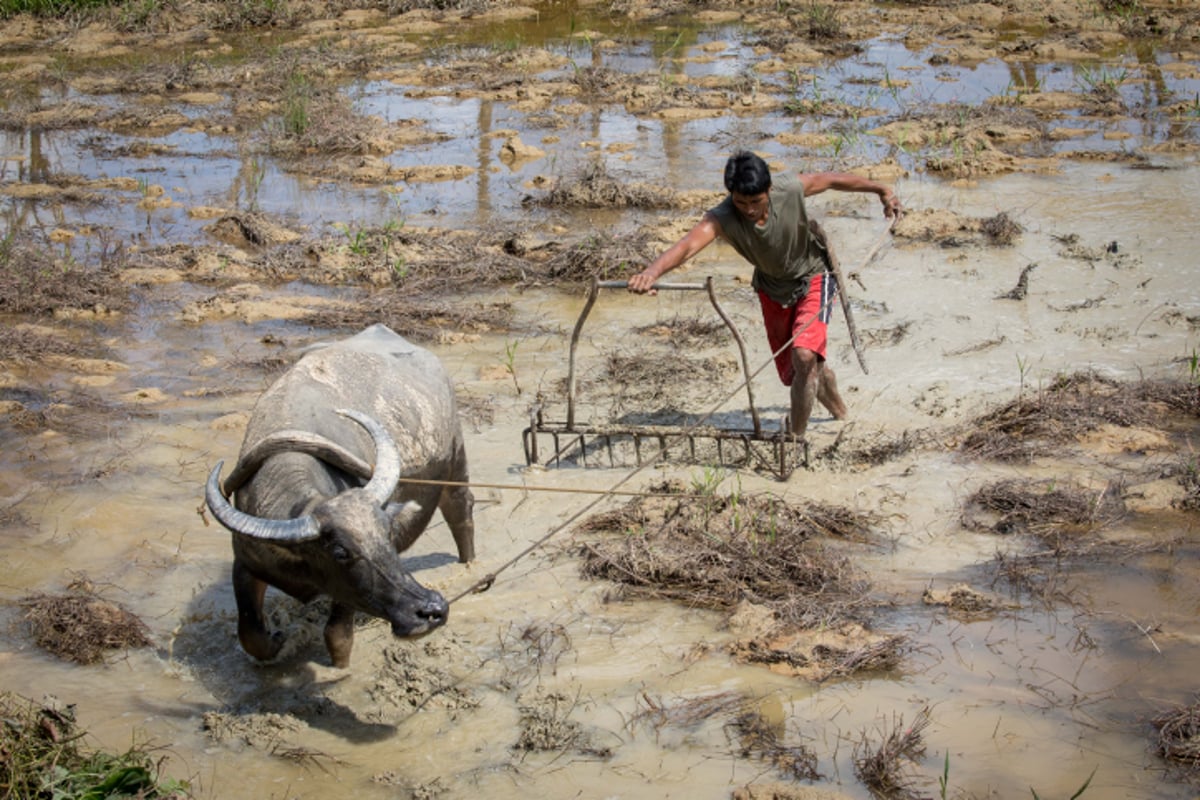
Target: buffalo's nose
{"points": [[434, 610]]}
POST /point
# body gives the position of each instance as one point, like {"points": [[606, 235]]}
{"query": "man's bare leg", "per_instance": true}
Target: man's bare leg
{"points": [[813, 381], [805, 388], [827, 393]]}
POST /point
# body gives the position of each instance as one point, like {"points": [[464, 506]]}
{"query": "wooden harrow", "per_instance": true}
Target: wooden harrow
{"points": [[571, 442]]}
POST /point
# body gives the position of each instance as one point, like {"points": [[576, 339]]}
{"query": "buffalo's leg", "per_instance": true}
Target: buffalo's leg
{"points": [[457, 505], [249, 592], [339, 634]]}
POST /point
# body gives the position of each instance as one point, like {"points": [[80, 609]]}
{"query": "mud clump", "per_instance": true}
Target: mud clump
{"points": [[963, 602], [546, 726]]}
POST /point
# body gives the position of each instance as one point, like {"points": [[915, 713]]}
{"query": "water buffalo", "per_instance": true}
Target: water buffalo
{"points": [[314, 517]]}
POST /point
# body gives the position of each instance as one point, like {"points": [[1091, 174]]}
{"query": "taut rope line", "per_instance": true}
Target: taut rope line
{"points": [[520, 487]]}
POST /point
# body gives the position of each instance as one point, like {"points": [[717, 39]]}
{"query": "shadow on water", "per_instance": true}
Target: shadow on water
{"points": [[297, 682]]}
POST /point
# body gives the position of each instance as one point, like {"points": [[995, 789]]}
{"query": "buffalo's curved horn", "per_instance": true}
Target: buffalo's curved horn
{"points": [[387, 458], [294, 441], [301, 529]]}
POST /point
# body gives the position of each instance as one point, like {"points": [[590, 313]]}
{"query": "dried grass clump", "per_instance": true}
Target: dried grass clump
{"points": [[423, 264], [820, 21], [466, 8], [33, 281], [82, 627], [414, 263], [76, 413], [595, 188], [1045, 508], [878, 449], [760, 739], [546, 726], [885, 768], [716, 552], [687, 330], [42, 756], [642, 379], [1181, 396], [601, 256], [881, 655], [1189, 478], [595, 82], [687, 713], [320, 121], [1179, 737], [1038, 425], [421, 322], [24, 345]]}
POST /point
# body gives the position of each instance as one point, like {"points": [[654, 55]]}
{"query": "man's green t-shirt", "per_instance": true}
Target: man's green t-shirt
{"points": [[784, 252]]}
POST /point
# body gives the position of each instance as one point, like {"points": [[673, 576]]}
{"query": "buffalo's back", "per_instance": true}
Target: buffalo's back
{"points": [[380, 373]]}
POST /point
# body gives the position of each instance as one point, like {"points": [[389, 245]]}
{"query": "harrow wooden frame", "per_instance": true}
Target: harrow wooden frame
{"points": [[734, 446]]}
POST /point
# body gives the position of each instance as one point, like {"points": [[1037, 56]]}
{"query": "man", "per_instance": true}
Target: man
{"points": [[767, 224]]}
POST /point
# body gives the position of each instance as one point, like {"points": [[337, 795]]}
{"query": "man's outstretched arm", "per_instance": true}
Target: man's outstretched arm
{"points": [[817, 182], [695, 240]]}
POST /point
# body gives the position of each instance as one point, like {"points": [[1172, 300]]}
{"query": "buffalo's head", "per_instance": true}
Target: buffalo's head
{"points": [[344, 544]]}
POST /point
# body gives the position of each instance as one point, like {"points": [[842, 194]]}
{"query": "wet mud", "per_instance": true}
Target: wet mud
{"points": [[982, 584]]}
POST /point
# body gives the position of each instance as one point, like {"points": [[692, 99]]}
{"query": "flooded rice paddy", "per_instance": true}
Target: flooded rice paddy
{"points": [[550, 683]]}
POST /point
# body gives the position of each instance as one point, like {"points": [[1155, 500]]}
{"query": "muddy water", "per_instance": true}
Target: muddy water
{"points": [[889, 77], [1035, 698]]}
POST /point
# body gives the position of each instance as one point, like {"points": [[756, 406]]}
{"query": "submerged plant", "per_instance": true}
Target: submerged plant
{"points": [[1078, 792], [823, 22], [357, 240], [510, 361], [297, 105], [1101, 82]]}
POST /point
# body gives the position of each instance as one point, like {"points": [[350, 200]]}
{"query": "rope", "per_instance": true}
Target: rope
{"points": [[526, 488], [488, 580]]}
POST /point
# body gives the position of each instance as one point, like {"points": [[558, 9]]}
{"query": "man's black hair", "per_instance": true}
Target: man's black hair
{"points": [[746, 173]]}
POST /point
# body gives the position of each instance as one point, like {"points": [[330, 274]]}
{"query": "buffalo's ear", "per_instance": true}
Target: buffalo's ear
{"points": [[404, 522]]}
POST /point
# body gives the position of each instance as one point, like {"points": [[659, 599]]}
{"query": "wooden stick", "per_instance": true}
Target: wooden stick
{"points": [[836, 269]]}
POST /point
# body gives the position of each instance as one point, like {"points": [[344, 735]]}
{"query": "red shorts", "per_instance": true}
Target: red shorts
{"points": [[806, 323]]}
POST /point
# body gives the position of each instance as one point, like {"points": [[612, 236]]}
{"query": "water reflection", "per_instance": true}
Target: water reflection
{"points": [[204, 166]]}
